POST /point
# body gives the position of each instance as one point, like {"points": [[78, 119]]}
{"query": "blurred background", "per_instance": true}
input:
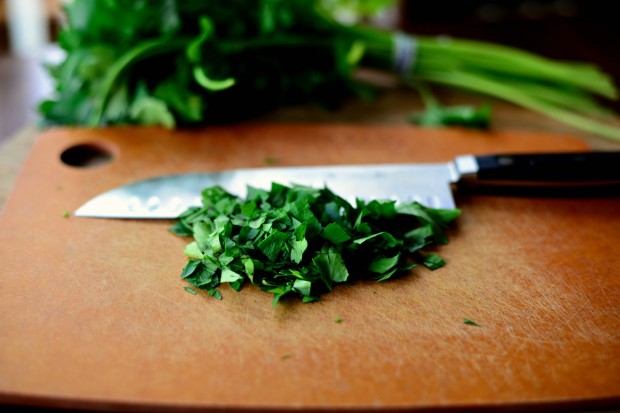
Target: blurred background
{"points": [[560, 29], [28, 26]]}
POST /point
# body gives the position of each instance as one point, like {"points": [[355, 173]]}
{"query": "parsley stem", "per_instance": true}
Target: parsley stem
{"points": [[138, 53], [558, 90]]}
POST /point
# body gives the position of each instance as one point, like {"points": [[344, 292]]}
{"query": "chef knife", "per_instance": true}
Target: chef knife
{"points": [[431, 184]]}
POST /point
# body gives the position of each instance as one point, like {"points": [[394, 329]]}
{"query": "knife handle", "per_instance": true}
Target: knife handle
{"points": [[576, 167]]}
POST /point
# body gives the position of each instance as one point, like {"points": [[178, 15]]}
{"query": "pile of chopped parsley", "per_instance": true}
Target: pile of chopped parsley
{"points": [[303, 241]]}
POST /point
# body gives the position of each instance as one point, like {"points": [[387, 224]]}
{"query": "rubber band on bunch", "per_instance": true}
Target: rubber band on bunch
{"points": [[405, 54]]}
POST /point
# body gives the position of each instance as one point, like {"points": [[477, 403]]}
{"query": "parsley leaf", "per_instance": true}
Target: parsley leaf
{"points": [[301, 241], [335, 233], [436, 114], [190, 290], [471, 322], [433, 261], [463, 115], [331, 267]]}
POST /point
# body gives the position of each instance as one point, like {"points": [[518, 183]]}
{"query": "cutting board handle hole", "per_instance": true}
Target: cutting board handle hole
{"points": [[88, 155]]}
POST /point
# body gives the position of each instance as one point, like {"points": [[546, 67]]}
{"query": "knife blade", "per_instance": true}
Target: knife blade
{"points": [[165, 197]]}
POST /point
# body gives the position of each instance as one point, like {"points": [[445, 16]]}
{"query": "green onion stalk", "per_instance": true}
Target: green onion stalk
{"points": [[190, 63]]}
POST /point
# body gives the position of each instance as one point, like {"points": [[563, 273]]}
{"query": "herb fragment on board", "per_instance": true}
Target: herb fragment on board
{"points": [[436, 114], [190, 290], [301, 241], [433, 261], [66, 214], [270, 160], [464, 115], [338, 320], [471, 322]]}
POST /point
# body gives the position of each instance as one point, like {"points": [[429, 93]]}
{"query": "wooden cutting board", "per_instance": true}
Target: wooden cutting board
{"points": [[93, 313]]}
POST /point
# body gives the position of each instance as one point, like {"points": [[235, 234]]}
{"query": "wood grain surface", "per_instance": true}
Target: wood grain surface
{"points": [[94, 315]]}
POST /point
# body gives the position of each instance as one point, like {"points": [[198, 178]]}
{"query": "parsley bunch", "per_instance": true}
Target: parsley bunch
{"points": [[194, 62], [303, 241]]}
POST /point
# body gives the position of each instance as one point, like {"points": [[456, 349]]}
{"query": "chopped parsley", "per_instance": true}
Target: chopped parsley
{"points": [[190, 290], [301, 241], [471, 322], [270, 160]]}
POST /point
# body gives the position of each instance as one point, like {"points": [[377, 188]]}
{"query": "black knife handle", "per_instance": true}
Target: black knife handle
{"points": [[556, 167]]}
